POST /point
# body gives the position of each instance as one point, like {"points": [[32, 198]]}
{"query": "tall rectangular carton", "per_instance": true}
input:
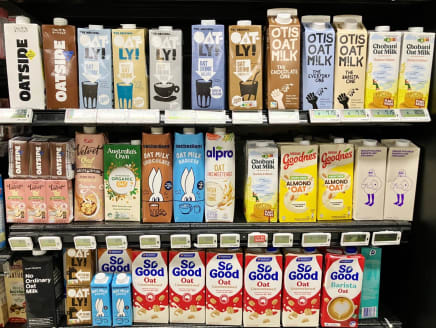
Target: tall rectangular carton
{"points": [[79, 266], [115, 261], [2, 215], [78, 306], [401, 179], [101, 299], [371, 282], [39, 149], [14, 285], [4, 314], [122, 299], [283, 59]]}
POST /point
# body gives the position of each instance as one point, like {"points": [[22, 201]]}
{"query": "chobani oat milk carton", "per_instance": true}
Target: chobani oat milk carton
{"points": [[150, 286], [224, 280], [187, 286], [262, 288]]}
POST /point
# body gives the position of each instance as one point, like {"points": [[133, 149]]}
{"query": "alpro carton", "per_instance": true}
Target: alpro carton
{"points": [[302, 279], [79, 266], [187, 281], [245, 66], [317, 62], [14, 285], [401, 177], [335, 180], [115, 261], [369, 180], [122, 299], [415, 68], [350, 64], [383, 62], [262, 288], [24, 64], [78, 306], [101, 299], [150, 286], [283, 59], [298, 182], [369, 301], [224, 281], [129, 65]]}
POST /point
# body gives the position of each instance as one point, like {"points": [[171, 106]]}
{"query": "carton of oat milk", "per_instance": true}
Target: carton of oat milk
{"points": [[369, 301], [79, 266], [101, 299], [115, 261], [383, 62], [283, 59], [335, 180], [369, 179], [298, 182], [245, 66], [261, 186], [341, 291], [59, 198], [187, 281], [166, 57], [262, 288], [129, 65], [415, 68], [36, 198], [95, 67], [78, 306], [302, 279], [122, 299], [350, 63], [401, 177], [150, 286], [4, 315], [16, 200], [24, 64], [14, 285], [208, 83], [318, 62], [224, 278]]}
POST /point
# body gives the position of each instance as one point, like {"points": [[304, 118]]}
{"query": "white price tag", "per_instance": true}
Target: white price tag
{"points": [[283, 239], [11, 115], [355, 238], [284, 117], [384, 115], [116, 242], [257, 239], [180, 241], [210, 117], [186, 116], [85, 242], [230, 240], [414, 115], [20, 243], [206, 240], [316, 239], [354, 115], [253, 117], [50, 243], [80, 116], [149, 241], [385, 238], [112, 115], [324, 115], [143, 116]]}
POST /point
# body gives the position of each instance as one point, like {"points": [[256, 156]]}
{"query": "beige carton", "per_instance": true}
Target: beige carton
{"points": [[4, 314], [14, 285]]}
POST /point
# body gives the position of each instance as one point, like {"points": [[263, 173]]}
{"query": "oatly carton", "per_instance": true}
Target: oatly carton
{"points": [[245, 66], [150, 286], [115, 261], [302, 288], [187, 286], [95, 67], [283, 59], [166, 78], [318, 62], [78, 306], [224, 281], [208, 83], [79, 266], [262, 288]]}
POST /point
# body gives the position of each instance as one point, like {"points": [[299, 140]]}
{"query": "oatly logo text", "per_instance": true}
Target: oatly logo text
{"points": [[23, 70], [245, 43], [187, 268], [60, 69], [208, 43], [345, 272]]}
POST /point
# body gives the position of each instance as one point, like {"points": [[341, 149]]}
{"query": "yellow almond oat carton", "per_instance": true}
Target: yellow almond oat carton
{"points": [[298, 182], [335, 180]]}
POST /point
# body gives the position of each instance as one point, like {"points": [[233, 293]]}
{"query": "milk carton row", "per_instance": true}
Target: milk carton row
{"points": [[304, 182]]}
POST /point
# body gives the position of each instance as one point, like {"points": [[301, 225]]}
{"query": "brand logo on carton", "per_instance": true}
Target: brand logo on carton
{"points": [[283, 43], [224, 270], [345, 272], [115, 261], [187, 268], [60, 69], [165, 47], [245, 43], [150, 268], [320, 49], [94, 46], [38, 160], [328, 159], [304, 271], [23, 70], [218, 152], [18, 154], [208, 43], [263, 164], [351, 50], [263, 271], [59, 160], [289, 160]]}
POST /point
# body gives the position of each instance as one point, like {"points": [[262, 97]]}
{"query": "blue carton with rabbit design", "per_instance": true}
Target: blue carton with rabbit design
{"points": [[101, 299], [188, 175], [318, 62], [122, 299]]}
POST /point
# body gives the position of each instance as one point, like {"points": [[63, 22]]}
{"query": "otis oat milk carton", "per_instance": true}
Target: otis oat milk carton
{"points": [[302, 288], [114, 261], [262, 288], [24, 64], [150, 286], [224, 280], [187, 279]]}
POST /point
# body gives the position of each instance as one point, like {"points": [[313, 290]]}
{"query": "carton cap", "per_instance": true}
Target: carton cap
{"points": [[262, 144], [317, 25], [343, 18], [122, 278], [128, 26], [208, 22], [278, 11], [402, 143], [89, 129], [219, 131], [350, 250], [350, 24], [416, 29], [135, 142], [60, 21], [244, 22], [338, 140], [22, 20], [309, 249], [315, 18], [283, 18], [298, 139], [156, 130], [38, 252], [305, 142], [165, 28], [189, 130], [369, 142], [382, 28], [95, 27]]}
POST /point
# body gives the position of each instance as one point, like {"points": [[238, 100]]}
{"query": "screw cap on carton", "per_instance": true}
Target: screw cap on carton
{"points": [[319, 26], [156, 130], [350, 250], [100, 278], [95, 27], [189, 130], [128, 26], [283, 18], [60, 21], [219, 130], [416, 29], [89, 129], [122, 278], [22, 20], [208, 22], [262, 144], [350, 24], [383, 28], [244, 22], [277, 11], [135, 142], [305, 142], [165, 28], [309, 249], [369, 142], [402, 143], [338, 140]]}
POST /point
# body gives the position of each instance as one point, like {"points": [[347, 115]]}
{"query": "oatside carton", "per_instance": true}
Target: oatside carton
{"points": [[16, 200], [318, 62], [166, 64], [122, 299], [208, 83], [101, 299], [78, 306], [371, 282], [95, 67], [115, 261]]}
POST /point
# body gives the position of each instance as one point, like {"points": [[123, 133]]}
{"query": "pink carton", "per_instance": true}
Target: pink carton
{"points": [[15, 196], [36, 200], [59, 201]]}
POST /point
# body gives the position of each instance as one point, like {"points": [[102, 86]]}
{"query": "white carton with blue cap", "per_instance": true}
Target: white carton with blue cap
{"points": [[122, 299], [101, 299]]}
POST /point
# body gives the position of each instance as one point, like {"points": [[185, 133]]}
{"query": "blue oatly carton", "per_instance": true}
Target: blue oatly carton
{"points": [[208, 66], [317, 61], [122, 299], [95, 67], [101, 299]]}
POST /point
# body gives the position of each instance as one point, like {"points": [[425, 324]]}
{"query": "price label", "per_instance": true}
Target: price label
{"points": [[354, 115], [149, 241], [80, 116], [143, 116], [257, 239], [316, 239], [384, 238], [116, 242], [11, 115], [111, 115], [186, 116], [181, 241], [253, 117], [415, 115], [284, 117], [384, 115], [324, 115], [85, 242], [355, 238], [20, 243], [230, 240], [210, 117], [206, 240], [283, 239], [50, 243]]}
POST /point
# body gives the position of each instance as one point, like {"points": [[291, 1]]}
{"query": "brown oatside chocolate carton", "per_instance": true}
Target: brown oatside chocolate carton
{"points": [[19, 157], [62, 158], [60, 64], [283, 59], [245, 66], [39, 158]]}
